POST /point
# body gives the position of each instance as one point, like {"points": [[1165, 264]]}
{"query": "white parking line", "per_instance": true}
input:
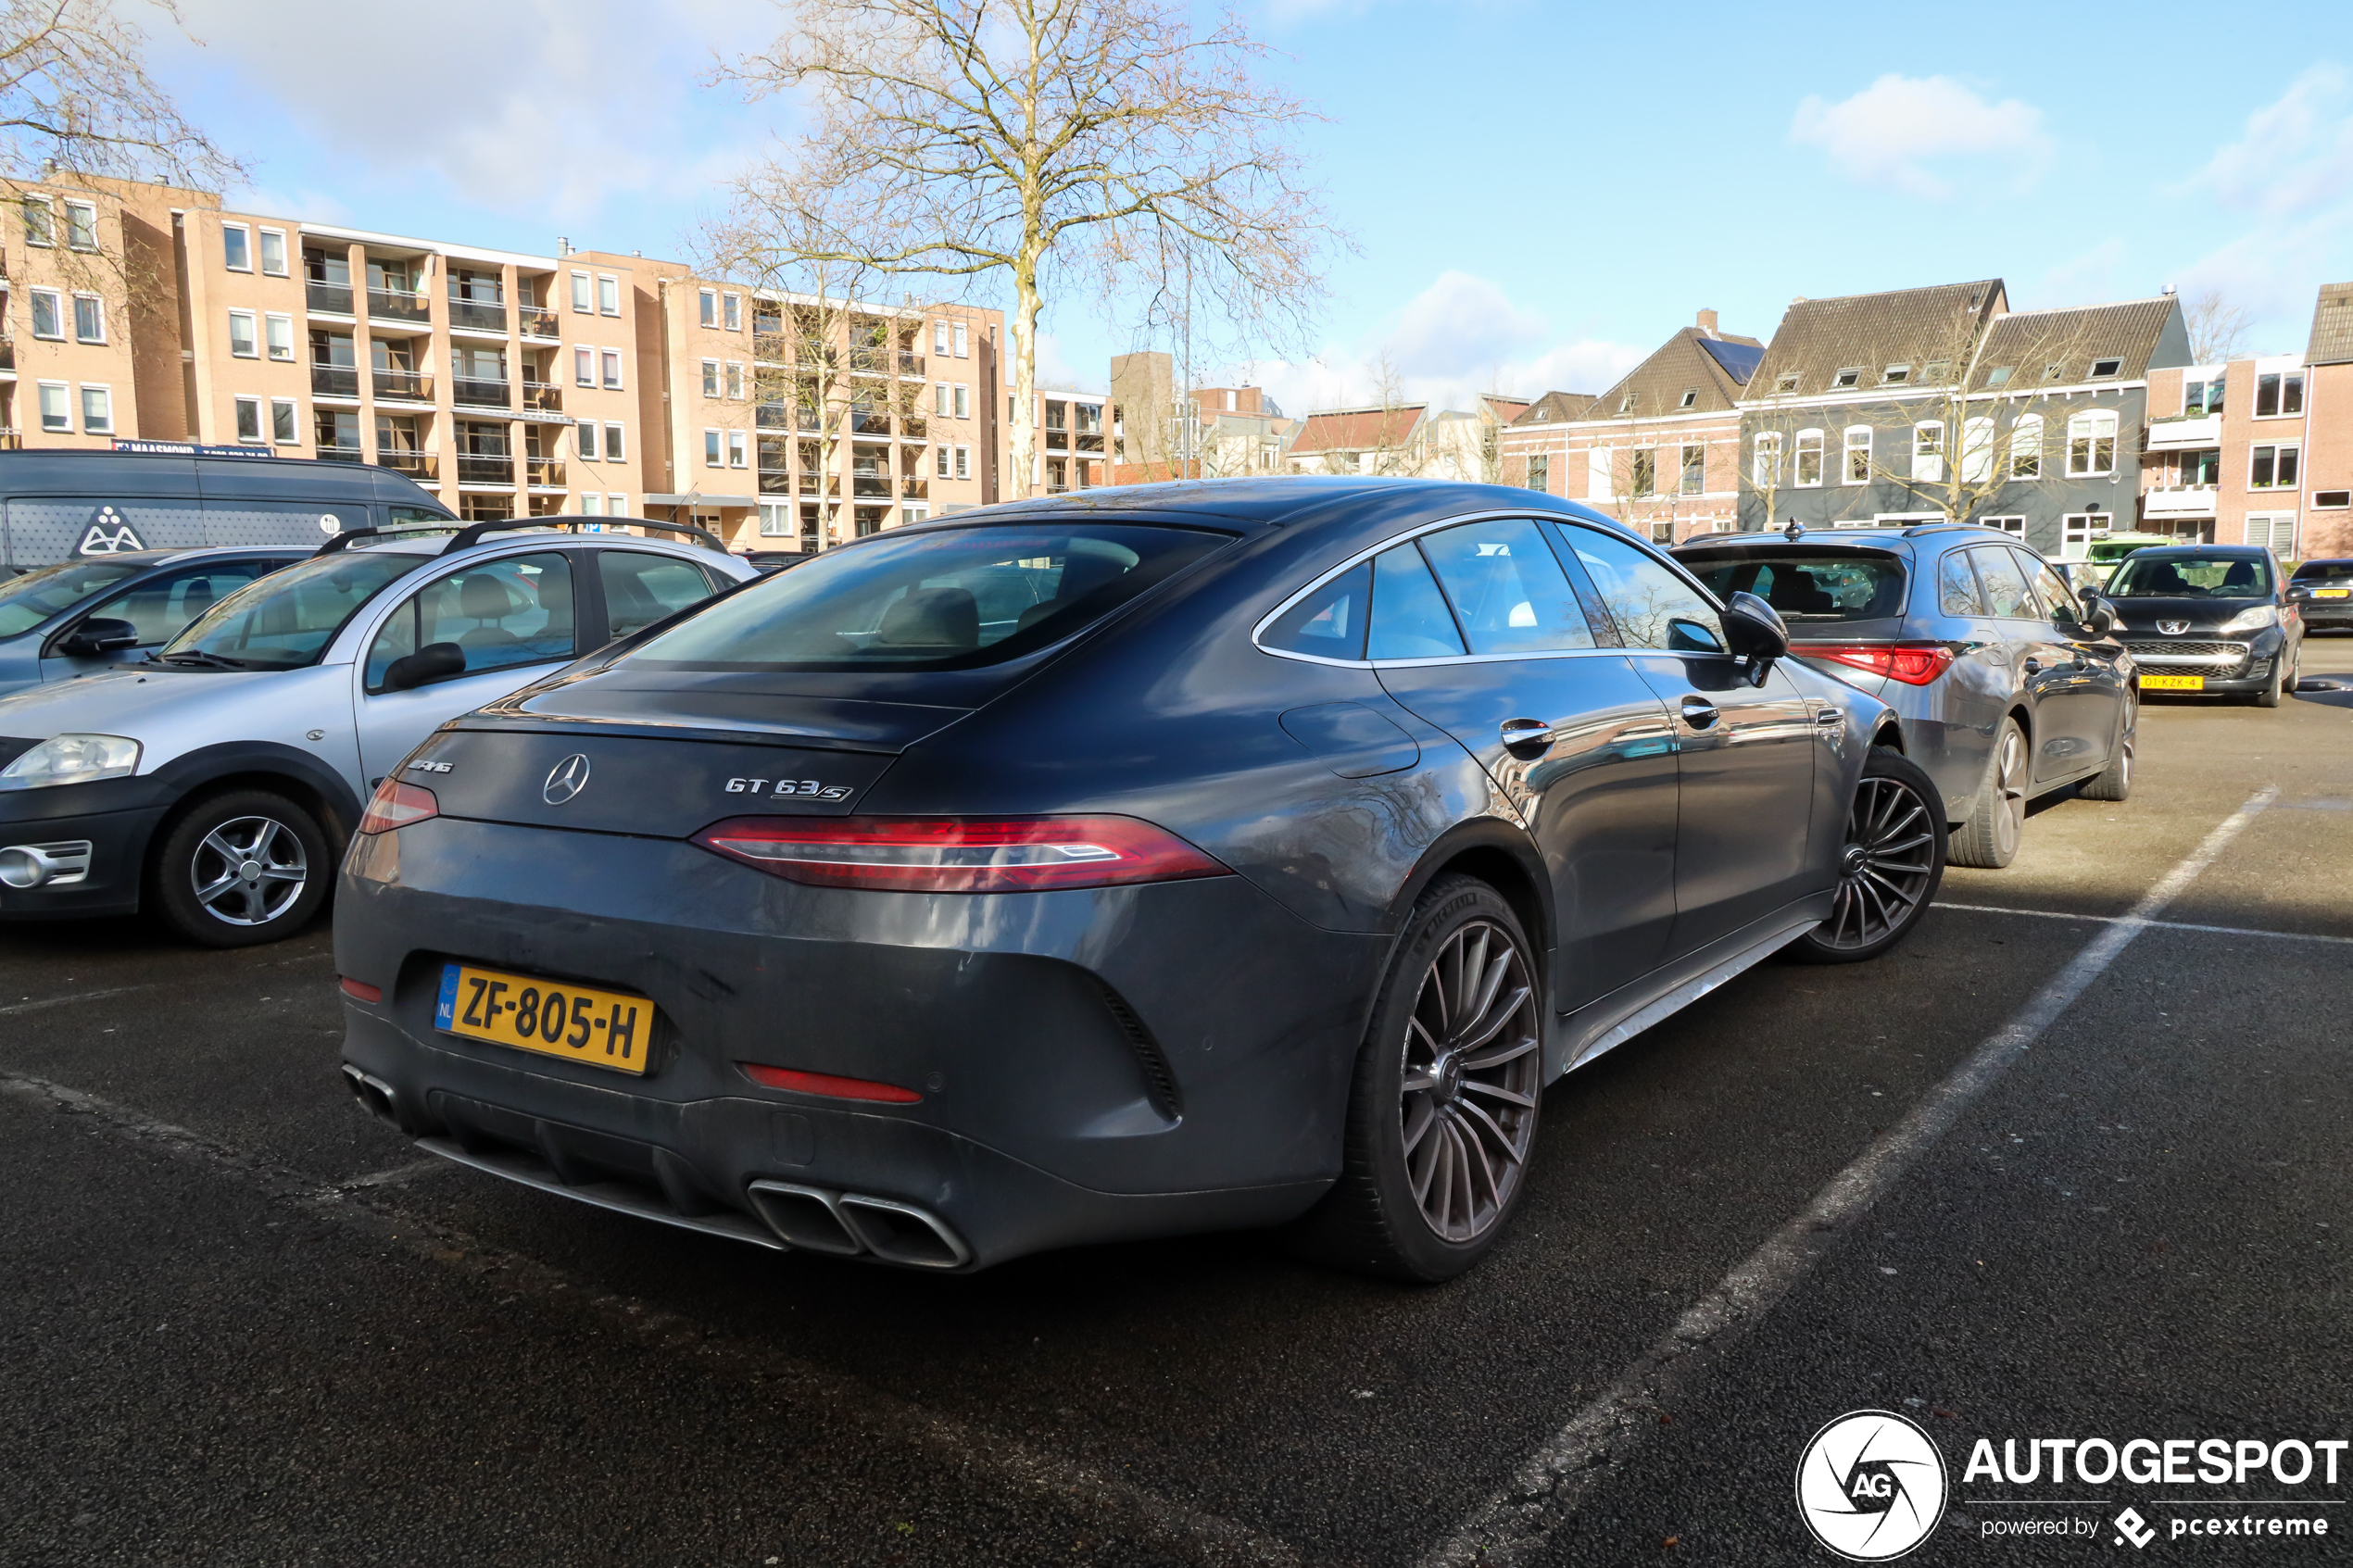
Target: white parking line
{"points": [[60, 1002], [2154, 924], [1546, 1490]]}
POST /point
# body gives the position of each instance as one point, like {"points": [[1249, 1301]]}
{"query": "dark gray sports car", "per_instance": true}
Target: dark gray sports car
{"points": [[1163, 860]]}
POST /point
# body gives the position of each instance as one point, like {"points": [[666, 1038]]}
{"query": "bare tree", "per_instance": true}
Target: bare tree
{"points": [[2218, 329], [1053, 144], [76, 98]]}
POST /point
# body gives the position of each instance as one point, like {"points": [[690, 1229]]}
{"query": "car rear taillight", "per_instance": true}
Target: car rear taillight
{"points": [[395, 805], [829, 1084], [1915, 664], [959, 854], [360, 989]]}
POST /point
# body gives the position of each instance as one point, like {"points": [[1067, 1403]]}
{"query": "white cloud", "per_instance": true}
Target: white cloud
{"points": [[1885, 134]]}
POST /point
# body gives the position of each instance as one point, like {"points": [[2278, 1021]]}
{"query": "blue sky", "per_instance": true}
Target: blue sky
{"points": [[1539, 193]]}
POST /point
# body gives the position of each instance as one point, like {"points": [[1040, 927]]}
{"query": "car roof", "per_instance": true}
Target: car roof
{"points": [[1261, 502], [2252, 552]]}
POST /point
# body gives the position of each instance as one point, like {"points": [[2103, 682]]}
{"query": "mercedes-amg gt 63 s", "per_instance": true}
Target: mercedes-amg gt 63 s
{"points": [[1169, 859]]}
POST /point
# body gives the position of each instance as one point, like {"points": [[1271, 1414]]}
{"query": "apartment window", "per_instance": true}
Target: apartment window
{"points": [[1998, 376], [709, 307], [736, 457], [583, 366], [711, 448], [961, 352], [283, 414], [963, 462], [616, 505], [584, 440], [615, 451], [2204, 396], [2077, 530], [2026, 448], [1977, 450], [2201, 467], [1935, 370], [1645, 470], [273, 253], [1539, 471], [591, 504], [1857, 468], [82, 226], [612, 368], [1787, 382], [945, 456], [1928, 450], [2102, 369], [584, 302], [2091, 443], [98, 410], [963, 401], [711, 378], [2275, 533], [2332, 500], [89, 319], [1851, 376], [241, 338], [1663, 532], [249, 419], [939, 346], [48, 313], [733, 311], [40, 221], [2277, 396], [1690, 397], [1896, 375], [279, 334], [609, 294], [1626, 403], [1765, 467], [2273, 467], [2013, 526], [939, 399], [56, 409], [236, 246], [2053, 371], [1694, 477], [734, 380], [1809, 459]]}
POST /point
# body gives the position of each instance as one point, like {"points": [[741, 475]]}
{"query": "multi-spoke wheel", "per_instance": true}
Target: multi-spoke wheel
{"points": [[240, 868], [1888, 866], [1989, 838], [1449, 1081]]}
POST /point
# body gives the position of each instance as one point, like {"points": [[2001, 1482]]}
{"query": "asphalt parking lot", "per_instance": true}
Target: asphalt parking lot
{"points": [[2078, 1159]]}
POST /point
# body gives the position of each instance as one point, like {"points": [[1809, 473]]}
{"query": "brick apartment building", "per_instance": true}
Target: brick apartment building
{"points": [[1407, 440], [1210, 432], [585, 382]]}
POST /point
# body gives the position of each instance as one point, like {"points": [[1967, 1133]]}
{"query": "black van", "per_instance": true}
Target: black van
{"points": [[59, 504]]}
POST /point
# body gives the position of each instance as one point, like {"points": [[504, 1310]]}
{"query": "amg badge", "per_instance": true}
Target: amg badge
{"points": [[809, 787]]}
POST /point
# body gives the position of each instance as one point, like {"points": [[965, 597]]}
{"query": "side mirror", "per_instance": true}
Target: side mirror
{"points": [[1757, 635], [435, 661], [2099, 616], [2298, 593], [97, 635]]}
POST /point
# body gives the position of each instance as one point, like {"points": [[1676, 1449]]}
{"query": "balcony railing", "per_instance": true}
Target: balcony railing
{"points": [[865, 485], [10, 438], [396, 304], [768, 345], [479, 392], [473, 468], [545, 394], [416, 464], [2187, 500], [812, 483], [334, 381], [912, 489], [482, 315], [413, 386], [545, 474], [335, 298], [910, 364], [870, 424], [775, 484], [913, 430], [1090, 442], [772, 416], [341, 455], [536, 321]]}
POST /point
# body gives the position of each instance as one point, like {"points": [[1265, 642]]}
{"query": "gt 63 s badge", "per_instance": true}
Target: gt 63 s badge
{"points": [[1871, 1485], [811, 789]]}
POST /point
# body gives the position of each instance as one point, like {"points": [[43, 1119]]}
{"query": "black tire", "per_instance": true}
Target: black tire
{"points": [[2115, 781], [1472, 1122], [1890, 862], [1989, 839], [280, 873], [2270, 696]]}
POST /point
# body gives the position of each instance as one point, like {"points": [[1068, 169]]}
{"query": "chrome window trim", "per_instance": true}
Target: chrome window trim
{"points": [[1532, 514]]}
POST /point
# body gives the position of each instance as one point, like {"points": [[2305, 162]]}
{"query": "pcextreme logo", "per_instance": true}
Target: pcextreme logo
{"points": [[1871, 1485]]}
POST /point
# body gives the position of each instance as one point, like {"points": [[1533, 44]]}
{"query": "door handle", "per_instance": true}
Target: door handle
{"points": [[1698, 712], [1527, 738]]}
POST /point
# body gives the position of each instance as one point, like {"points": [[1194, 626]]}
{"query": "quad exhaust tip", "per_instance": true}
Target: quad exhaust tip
{"points": [[372, 1093], [849, 1225]]}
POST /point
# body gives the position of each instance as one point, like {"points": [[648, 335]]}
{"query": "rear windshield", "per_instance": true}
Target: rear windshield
{"points": [[27, 601], [1835, 585], [2310, 571], [952, 599], [2190, 577], [286, 621]]}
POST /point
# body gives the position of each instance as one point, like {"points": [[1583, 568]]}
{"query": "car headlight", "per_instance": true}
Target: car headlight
{"points": [[64, 760], [2251, 619]]}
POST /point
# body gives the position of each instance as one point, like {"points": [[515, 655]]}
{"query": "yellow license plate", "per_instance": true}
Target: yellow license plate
{"points": [[2331, 592], [2172, 683], [577, 1023]]}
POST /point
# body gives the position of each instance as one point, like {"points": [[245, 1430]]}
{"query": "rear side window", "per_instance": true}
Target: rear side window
{"points": [[1829, 587], [498, 614], [2324, 571], [27, 601], [1329, 622], [1410, 618], [1653, 608], [2057, 597], [1957, 586], [641, 588], [2007, 596], [160, 606], [1509, 593], [955, 598]]}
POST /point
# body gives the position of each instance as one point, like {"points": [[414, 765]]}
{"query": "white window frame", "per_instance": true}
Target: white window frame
{"points": [[583, 366], [88, 211], [940, 338], [1928, 450], [2015, 526], [584, 441], [1683, 468], [944, 457], [57, 314], [2021, 448], [963, 401], [963, 462], [1663, 532], [2093, 425], [98, 310], [2269, 524], [775, 519], [63, 419], [248, 410], [611, 368], [711, 378], [45, 237], [293, 423], [244, 237], [1797, 461], [2291, 450], [584, 295], [607, 293], [738, 449], [730, 312], [939, 399], [616, 503], [616, 443], [105, 425], [2279, 410], [1601, 474], [964, 350], [736, 380], [274, 324], [713, 456], [707, 307], [1849, 448], [592, 504], [1977, 449], [1765, 460], [261, 256]]}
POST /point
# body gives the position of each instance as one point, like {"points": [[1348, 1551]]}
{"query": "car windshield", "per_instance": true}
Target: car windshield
{"points": [[2191, 577], [953, 599], [1833, 585], [2324, 571], [27, 601], [286, 621]]}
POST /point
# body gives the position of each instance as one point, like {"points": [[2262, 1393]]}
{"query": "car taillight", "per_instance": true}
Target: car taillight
{"points": [[360, 989], [1915, 664], [959, 854], [829, 1084], [395, 805]]}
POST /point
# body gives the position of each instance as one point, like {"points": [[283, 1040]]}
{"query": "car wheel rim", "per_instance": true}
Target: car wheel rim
{"points": [[2010, 780], [1468, 1101], [1883, 869], [249, 870]]}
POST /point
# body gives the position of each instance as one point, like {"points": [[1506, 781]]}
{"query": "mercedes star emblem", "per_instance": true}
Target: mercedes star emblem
{"points": [[565, 780]]}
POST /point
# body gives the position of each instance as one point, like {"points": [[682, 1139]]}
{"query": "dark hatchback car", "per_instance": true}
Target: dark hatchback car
{"points": [[2215, 619], [1182, 858], [2323, 591], [2008, 683]]}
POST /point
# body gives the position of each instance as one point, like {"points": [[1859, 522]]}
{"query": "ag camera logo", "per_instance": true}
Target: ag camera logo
{"points": [[1871, 1485]]}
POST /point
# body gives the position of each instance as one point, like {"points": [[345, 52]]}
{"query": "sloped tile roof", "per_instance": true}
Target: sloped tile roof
{"points": [[1683, 364], [1866, 332], [1358, 429], [2021, 349], [2332, 326], [1556, 407]]}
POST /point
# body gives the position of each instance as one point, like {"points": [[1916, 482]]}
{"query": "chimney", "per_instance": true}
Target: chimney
{"points": [[563, 246], [1707, 322]]}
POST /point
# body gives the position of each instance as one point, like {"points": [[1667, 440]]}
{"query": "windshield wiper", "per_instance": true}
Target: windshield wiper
{"points": [[209, 660]]}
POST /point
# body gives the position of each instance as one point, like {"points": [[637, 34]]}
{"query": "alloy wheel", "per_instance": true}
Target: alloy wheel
{"points": [[1469, 1088], [249, 870], [2009, 780], [1884, 868]]}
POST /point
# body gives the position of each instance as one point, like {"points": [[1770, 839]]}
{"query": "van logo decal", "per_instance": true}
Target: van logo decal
{"points": [[108, 535]]}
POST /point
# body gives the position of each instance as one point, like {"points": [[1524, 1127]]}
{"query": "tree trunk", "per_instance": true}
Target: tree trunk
{"points": [[1021, 424]]}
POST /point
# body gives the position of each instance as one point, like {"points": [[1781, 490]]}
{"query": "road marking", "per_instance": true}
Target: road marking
{"points": [[2153, 925], [61, 1001], [822, 1396], [1550, 1486]]}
